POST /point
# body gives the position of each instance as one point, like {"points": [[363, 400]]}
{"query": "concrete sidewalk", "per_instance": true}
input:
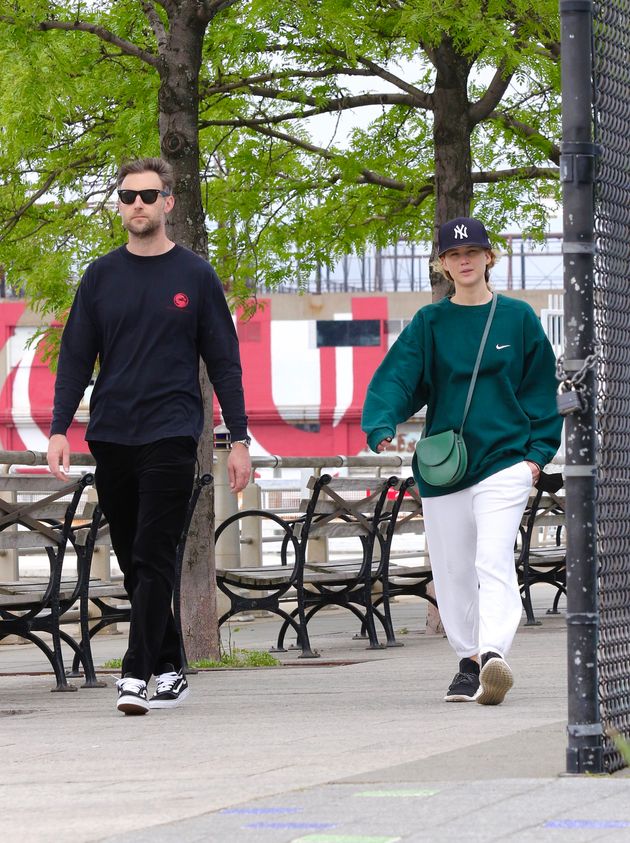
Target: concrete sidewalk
{"points": [[357, 747]]}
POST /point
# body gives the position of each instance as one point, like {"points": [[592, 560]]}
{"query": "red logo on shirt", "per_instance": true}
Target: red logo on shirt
{"points": [[180, 300]]}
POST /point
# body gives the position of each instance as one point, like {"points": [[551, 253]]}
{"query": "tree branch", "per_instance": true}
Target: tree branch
{"points": [[551, 150], [497, 88], [156, 22], [423, 99], [366, 177], [521, 173], [210, 8], [411, 202], [341, 104], [105, 35], [169, 6], [13, 220], [554, 48], [226, 87], [479, 110], [338, 104]]}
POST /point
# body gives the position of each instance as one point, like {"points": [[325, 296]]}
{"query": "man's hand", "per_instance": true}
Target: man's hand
{"points": [[384, 444], [59, 456], [239, 467]]}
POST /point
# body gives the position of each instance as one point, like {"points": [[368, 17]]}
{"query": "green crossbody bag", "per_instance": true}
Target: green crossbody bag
{"points": [[442, 458]]}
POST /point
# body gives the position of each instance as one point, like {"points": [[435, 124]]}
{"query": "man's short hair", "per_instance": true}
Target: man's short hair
{"points": [[145, 165]]}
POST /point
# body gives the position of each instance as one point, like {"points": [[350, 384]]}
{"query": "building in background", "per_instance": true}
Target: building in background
{"points": [[307, 361]]}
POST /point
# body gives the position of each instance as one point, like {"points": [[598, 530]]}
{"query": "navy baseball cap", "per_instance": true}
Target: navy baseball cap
{"points": [[463, 231]]}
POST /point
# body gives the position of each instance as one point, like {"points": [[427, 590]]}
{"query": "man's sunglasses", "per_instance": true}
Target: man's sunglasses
{"points": [[149, 196]]}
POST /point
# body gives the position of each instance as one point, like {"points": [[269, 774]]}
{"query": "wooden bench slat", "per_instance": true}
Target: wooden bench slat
{"points": [[17, 539], [410, 505], [249, 578], [351, 484], [411, 572], [325, 506], [57, 512], [33, 483], [337, 529]]}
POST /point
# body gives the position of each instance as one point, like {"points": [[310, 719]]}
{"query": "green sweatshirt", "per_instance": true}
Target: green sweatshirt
{"points": [[513, 413]]}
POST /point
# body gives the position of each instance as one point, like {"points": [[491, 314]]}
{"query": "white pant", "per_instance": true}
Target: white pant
{"points": [[470, 536]]}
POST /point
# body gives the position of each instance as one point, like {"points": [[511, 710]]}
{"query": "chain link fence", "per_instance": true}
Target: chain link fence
{"points": [[611, 64]]}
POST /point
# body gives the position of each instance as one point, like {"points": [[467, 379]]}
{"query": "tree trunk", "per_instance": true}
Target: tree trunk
{"points": [[179, 140], [451, 137], [178, 102], [198, 593]]}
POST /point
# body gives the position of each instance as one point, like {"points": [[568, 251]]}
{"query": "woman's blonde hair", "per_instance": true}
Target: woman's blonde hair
{"points": [[437, 266]]}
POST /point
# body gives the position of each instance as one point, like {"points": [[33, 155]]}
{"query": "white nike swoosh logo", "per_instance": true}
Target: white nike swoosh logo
{"points": [[499, 347]]}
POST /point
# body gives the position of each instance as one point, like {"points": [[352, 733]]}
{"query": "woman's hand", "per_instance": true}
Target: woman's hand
{"points": [[535, 470], [382, 445]]}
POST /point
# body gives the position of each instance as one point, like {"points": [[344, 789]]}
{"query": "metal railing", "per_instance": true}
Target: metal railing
{"points": [[404, 267]]}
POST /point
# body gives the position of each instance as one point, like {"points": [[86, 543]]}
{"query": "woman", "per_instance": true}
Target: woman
{"points": [[511, 432]]}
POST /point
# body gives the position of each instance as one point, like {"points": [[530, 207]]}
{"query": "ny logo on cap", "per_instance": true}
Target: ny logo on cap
{"points": [[460, 232]]}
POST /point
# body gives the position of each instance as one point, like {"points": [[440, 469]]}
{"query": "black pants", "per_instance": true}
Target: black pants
{"points": [[144, 492]]}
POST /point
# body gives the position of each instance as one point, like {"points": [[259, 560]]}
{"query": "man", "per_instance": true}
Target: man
{"points": [[147, 311]]}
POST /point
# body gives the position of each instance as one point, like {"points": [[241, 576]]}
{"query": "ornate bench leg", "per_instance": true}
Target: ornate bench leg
{"points": [[57, 655], [85, 652], [369, 619]]}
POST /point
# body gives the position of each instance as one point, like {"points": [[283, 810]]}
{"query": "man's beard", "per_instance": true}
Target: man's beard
{"points": [[148, 227]]}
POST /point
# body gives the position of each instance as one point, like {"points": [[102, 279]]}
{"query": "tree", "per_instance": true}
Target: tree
{"points": [[224, 90], [468, 94], [228, 91]]}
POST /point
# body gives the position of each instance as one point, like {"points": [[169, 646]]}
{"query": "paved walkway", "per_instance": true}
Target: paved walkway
{"points": [[357, 747]]}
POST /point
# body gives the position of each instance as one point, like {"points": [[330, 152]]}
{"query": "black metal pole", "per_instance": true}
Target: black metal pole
{"points": [[577, 171]]}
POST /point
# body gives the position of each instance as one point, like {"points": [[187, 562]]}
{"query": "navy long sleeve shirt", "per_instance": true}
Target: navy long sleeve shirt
{"points": [[148, 320]]}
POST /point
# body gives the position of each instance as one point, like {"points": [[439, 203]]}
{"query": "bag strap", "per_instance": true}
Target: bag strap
{"points": [[482, 345]]}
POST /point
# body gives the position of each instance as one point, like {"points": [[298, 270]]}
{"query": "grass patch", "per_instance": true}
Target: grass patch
{"points": [[235, 658], [240, 658]]}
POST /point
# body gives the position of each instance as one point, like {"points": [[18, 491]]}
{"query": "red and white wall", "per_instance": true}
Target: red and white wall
{"points": [[301, 399]]}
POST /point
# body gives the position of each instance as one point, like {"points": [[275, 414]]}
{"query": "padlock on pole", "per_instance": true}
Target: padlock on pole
{"points": [[569, 400]]}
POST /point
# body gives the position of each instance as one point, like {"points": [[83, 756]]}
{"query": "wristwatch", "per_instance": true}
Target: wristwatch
{"points": [[247, 441]]}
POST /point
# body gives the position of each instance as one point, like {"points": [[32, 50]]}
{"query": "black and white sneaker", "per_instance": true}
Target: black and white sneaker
{"points": [[465, 683], [132, 695], [171, 689], [496, 679]]}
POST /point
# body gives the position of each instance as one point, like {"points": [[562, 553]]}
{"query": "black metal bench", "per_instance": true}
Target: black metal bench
{"points": [[400, 579], [33, 606], [312, 584], [542, 562]]}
